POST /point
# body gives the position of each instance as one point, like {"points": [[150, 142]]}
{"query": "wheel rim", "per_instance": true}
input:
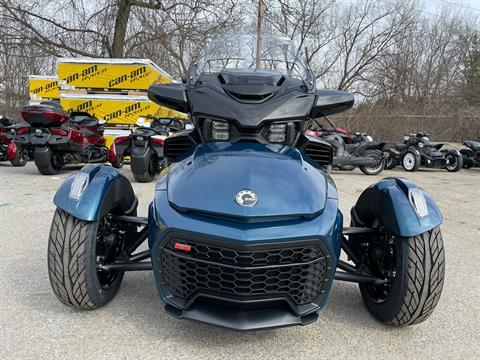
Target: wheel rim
{"points": [[105, 254], [452, 162], [23, 157], [381, 263], [374, 168], [409, 161], [57, 160]]}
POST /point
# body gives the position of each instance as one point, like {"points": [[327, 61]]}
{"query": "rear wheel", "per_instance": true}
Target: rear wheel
{"points": [[75, 249], [411, 161], [377, 167], [21, 157], [142, 173], [454, 162], [50, 164], [414, 268]]}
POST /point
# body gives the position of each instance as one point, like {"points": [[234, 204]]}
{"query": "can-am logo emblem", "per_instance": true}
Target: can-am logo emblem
{"points": [[246, 198]]}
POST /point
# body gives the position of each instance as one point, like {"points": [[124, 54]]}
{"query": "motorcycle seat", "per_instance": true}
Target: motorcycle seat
{"points": [[474, 145]]}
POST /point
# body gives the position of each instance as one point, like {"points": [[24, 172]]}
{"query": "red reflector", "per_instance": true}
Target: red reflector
{"points": [[183, 247], [22, 130], [59, 132]]}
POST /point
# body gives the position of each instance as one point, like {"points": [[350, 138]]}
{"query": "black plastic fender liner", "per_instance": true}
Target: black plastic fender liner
{"points": [[94, 191], [399, 205], [140, 158]]}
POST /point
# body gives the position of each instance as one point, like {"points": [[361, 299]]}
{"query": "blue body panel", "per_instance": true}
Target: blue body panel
{"points": [[89, 205], [387, 200], [326, 228], [214, 218], [285, 183]]}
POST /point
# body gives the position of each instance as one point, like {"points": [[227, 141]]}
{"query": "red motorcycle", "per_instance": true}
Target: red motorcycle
{"points": [[60, 138], [9, 151]]}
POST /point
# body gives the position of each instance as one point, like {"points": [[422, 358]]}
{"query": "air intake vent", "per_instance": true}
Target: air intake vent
{"points": [[177, 145], [321, 153], [250, 98]]}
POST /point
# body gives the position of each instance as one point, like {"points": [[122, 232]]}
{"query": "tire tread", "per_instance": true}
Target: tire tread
{"points": [[425, 274]]}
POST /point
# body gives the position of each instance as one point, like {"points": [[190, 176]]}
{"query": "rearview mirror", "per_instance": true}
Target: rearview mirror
{"points": [[172, 96], [328, 102]]}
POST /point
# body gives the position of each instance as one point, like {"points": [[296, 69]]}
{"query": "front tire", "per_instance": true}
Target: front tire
{"points": [[411, 161], [74, 247], [413, 293], [21, 157], [118, 164]]}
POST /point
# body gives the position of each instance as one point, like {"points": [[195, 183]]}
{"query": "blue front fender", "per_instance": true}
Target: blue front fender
{"points": [[106, 189], [390, 202]]}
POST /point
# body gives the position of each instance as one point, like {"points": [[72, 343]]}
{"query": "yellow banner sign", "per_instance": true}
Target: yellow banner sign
{"points": [[110, 74], [117, 109], [43, 87]]}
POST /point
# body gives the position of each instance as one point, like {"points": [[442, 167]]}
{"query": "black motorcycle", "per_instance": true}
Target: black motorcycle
{"points": [[352, 150], [144, 146], [417, 150], [471, 156]]}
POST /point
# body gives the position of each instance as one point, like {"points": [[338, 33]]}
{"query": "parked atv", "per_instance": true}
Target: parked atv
{"points": [[471, 156], [417, 150], [352, 150], [60, 138], [144, 146], [244, 230], [9, 150]]}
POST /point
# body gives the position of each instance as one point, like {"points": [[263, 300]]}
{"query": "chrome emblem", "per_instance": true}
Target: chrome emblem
{"points": [[246, 198]]}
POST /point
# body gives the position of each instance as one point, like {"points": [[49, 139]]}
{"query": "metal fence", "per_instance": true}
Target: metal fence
{"points": [[390, 128]]}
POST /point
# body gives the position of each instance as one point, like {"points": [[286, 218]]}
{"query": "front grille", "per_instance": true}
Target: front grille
{"points": [[321, 153], [177, 145], [299, 272]]}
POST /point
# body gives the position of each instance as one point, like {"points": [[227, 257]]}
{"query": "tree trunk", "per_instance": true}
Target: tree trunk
{"points": [[121, 23]]}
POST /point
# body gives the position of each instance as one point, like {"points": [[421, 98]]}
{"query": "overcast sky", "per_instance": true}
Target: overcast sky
{"points": [[468, 5]]}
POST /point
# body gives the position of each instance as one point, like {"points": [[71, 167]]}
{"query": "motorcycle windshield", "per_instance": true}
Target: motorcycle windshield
{"points": [[238, 52]]}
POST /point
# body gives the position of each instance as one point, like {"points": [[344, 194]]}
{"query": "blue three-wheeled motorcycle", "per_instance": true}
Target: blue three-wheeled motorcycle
{"points": [[244, 230]]}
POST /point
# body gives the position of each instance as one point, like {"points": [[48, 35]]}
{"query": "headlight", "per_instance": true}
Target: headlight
{"points": [[420, 145], [220, 131], [277, 133], [369, 138]]}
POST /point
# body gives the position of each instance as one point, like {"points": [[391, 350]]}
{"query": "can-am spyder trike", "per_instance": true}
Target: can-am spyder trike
{"points": [[351, 150], [417, 150], [471, 156], [60, 138], [144, 146], [244, 230], [9, 150]]}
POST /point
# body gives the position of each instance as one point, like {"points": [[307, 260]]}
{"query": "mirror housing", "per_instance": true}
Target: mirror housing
{"points": [[328, 102], [172, 96]]}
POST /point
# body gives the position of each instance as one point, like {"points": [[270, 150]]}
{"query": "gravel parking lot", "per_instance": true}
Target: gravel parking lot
{"points": [[34, 324]]}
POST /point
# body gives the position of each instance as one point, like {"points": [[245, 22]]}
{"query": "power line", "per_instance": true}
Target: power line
{"points": [[459, 5]]}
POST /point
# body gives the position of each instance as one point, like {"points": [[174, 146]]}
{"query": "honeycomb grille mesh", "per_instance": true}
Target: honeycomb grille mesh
{"points": [[299, 272]]}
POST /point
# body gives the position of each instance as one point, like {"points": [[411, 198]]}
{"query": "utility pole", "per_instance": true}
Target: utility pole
{"points": [[260, 30]]}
